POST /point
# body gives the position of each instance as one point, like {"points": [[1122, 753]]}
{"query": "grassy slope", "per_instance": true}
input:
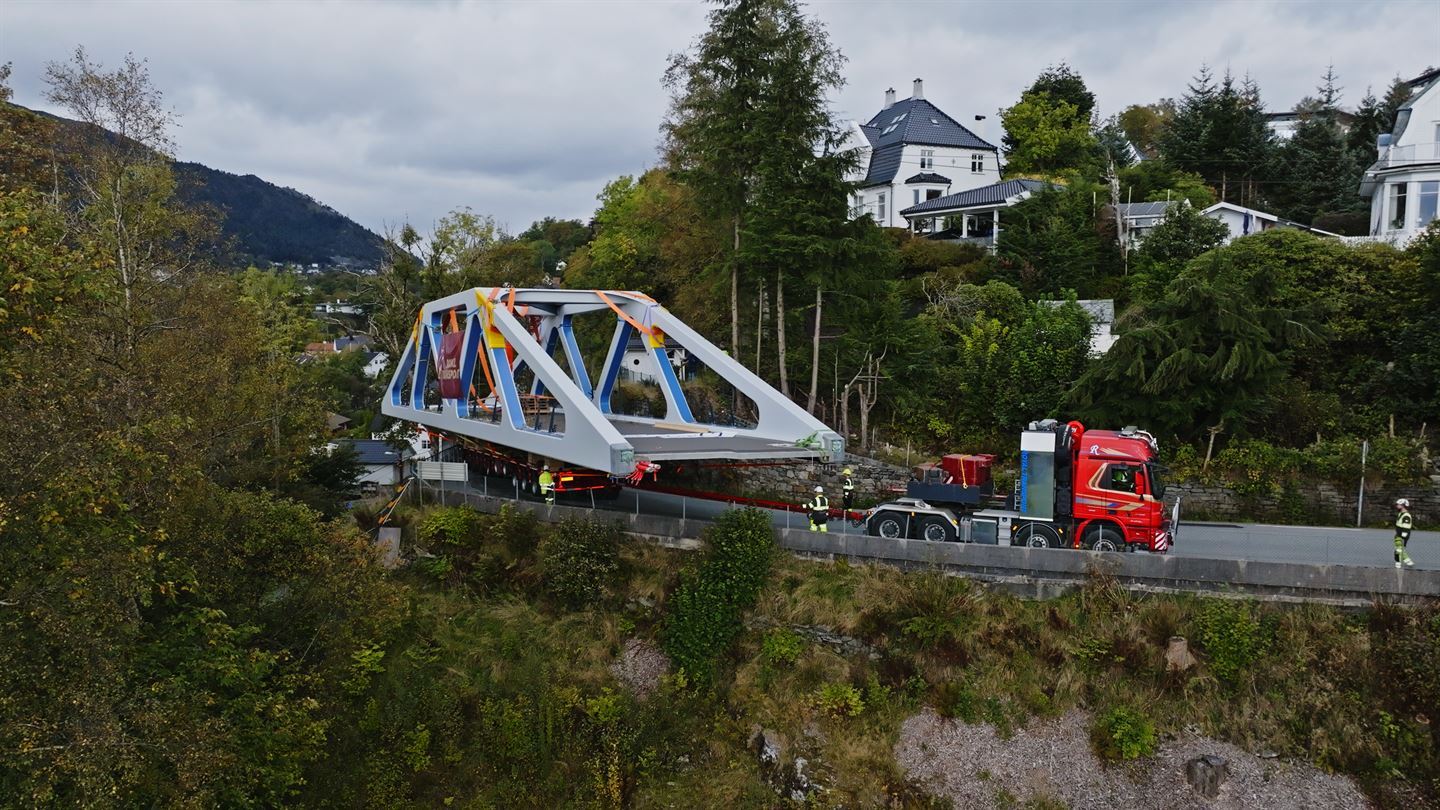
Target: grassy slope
{"points": [[489, 696]]}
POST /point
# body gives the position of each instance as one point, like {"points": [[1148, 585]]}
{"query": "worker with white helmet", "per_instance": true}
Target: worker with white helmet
{"points": [[819, 507], [1404, 523], [547, 484]]}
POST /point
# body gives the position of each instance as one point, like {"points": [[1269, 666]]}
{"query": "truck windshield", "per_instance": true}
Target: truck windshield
{"points": [[1157, 479]]}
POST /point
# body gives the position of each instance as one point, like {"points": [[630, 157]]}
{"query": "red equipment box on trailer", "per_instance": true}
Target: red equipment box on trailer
{"points": [[968, 470]]}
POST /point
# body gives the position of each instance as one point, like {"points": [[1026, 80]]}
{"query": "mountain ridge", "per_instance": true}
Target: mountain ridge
{"points": [[263, 222]]}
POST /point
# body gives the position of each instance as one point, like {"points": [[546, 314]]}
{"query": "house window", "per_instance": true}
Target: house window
{"points": [[916, 197], [927, 158], [1397, 205], [931, 194], [881, 217], [1428, 198], [977, 163]]}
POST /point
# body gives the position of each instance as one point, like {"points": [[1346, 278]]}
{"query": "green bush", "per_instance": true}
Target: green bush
{"points": [[703, 615], [957, 699], [1232, 637], [839, 700], [781, 647], [1123, 733], [457, 526], [578, 560]]}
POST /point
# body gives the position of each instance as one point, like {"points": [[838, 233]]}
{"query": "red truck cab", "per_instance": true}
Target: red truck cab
{"points": [[1118, 490]]}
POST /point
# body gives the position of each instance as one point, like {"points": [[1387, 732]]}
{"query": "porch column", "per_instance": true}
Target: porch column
{"points": [[995, 231], [964, 225]]}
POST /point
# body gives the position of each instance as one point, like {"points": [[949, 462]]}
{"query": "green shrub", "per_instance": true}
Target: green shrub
{"points": [[781, 647], [457, 526], [518, 530], [839, 700], [578, 560], [703, 615], [938, 611], [1123, 733], [957, 699], [1232, 637]]}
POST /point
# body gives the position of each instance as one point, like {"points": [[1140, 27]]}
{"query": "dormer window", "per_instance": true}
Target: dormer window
{"points": [[927, 158]]}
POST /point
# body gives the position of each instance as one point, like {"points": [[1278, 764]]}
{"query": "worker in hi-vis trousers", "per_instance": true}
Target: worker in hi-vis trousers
{"points": [[819, 507], [847, 491], [1404, 522], [547, 484]]}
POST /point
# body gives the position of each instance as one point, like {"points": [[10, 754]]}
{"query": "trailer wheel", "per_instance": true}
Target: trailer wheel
{"points": [[1037, 535], [938, 530], [888, 525], [1104, 538]]}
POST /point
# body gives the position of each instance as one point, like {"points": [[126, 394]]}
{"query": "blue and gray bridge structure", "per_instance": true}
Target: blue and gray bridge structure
{"points": [[507, 330]]}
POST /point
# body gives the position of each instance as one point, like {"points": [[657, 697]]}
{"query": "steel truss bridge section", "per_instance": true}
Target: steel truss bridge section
{"points": [[459, 371]]}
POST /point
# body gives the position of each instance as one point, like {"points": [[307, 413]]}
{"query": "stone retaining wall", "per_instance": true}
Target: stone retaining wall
{"points": [[1317, 504], [875, 481]]}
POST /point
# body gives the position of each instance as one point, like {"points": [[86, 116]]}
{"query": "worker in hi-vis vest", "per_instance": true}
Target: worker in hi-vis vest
{"points": [[1404, 522], [819, 507], [547, 484], [847, 491]]}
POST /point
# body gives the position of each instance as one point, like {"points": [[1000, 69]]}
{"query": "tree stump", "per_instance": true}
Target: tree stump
{"points": [[1206, 774], [1177, 655]]}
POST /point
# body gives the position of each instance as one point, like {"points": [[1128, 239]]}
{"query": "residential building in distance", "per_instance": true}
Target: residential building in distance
{"points": [[1403, 184], [974, 215], [911, 152], [1102, 322], [384, 466], [1138, 219], [1284, 124], [1242, 221]]}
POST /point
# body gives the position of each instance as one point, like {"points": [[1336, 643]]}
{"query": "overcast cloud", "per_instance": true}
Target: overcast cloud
{"points": [[401, 111]]}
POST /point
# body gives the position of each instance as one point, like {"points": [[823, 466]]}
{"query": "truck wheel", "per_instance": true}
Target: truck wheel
{"points": [[937, 530], [1037, 535], [888, 525], [1104, 538]]}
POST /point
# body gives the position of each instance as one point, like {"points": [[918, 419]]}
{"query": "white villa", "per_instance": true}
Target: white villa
{"points": [[1403, 183], [911, 152]]}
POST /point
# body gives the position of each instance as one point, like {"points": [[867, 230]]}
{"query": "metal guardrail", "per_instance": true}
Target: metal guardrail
{"points": [[1041, 573]]}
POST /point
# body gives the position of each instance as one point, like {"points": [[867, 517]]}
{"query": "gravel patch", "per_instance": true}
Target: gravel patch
{"points": [[974, 767], [640, 667]]}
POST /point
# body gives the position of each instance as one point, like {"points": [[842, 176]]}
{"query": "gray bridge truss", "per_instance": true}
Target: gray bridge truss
{"points": [[459, 375]]}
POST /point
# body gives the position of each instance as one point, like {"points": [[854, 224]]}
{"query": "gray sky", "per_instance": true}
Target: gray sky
{"points": [[396, 111]]}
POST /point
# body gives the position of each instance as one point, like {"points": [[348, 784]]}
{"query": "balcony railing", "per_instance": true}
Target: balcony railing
{"points": [[1409, 155]]}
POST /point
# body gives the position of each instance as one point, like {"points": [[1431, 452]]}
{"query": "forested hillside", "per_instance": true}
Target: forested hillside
{"points": [[270, 223], [259, 221]]}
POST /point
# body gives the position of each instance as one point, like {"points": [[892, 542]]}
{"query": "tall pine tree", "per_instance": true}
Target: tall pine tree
{"points": [[1219, 132], [748, 114], [1319, 171]]}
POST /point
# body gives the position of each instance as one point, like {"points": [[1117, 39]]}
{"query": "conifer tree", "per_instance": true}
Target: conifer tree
{"points": [[748, 106], [1319, 170]]}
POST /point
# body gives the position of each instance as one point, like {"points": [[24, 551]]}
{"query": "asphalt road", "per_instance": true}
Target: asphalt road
{"points": [[1225, 541]]}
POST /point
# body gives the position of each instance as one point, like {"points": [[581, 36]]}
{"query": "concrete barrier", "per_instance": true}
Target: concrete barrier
{"points": [[1043, 573]]}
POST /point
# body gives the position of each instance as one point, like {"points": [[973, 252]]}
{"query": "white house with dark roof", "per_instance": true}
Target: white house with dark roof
{"points": [[911, 152], [975, 213], [1403, 183], [1140, 218]]}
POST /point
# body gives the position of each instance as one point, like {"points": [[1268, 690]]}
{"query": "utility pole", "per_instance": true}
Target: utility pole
{"points": [[1360, 502]]}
